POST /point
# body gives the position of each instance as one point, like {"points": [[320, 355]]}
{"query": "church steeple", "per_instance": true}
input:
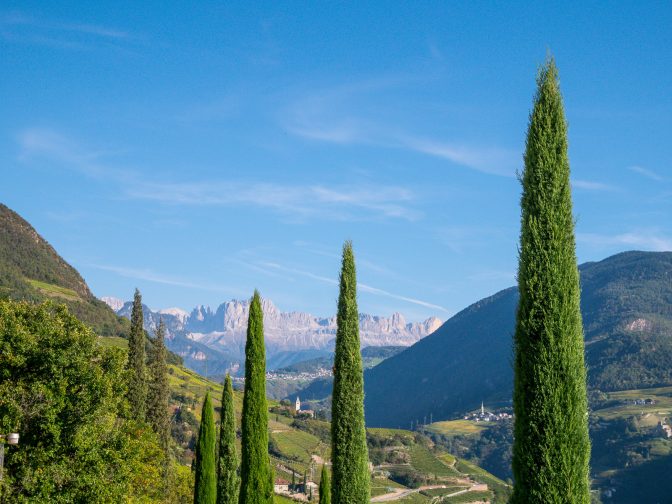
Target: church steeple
{"points": [[482, 408], [298, 404]]}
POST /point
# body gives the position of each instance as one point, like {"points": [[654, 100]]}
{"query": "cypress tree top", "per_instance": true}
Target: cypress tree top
{"points": [[325, 486], [551, 448], [227, 461], [350, 469], [256, 476], [205, 487]]}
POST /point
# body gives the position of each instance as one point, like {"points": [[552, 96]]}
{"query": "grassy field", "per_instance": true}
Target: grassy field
{"points": [[298, 445], [438, 492], [113, 342], [501, 488], [382, 486], [426, 462], [662, 407], [469, 497], [390, 433], [458, 427], [54, 290]]}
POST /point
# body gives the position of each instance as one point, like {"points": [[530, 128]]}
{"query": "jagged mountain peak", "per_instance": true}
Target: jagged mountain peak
{"points": [[287, 333]]}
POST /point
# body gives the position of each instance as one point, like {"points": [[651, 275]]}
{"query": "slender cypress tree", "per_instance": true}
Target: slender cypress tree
{"points": [[205, 488], [137, 385], [159, 391], [350, 484], [551, 449], [256, 475], [325, 488], [227, 461]]}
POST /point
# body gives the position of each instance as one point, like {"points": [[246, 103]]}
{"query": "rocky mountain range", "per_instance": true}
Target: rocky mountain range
{"points": [[218, 336]]}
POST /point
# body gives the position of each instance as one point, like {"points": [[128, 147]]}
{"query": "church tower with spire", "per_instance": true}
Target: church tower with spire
{"points": [[298, 404]]}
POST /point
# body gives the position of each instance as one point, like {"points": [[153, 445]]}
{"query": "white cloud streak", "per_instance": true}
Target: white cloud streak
{"points": [[19, 19], [590, 185], [650, 174], [325, 117], [297, 202], [18, 27], [641, 239], [160, 278], [301, 202], [361, 286]]}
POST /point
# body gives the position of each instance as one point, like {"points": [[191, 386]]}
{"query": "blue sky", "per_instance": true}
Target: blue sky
{"points": [[200, 151]]}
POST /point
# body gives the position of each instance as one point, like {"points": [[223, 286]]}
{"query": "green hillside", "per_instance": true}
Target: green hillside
{"points": [[31, 270], [627, 312]]}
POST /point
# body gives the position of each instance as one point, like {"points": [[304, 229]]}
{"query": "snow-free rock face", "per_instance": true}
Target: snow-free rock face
{"points": [[225, 328]]}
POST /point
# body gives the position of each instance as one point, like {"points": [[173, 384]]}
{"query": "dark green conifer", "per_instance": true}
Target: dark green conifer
{"points": [[551, 448], [205, 484], [137, 384], [350, 484], [159, 391], [325, 487], [227, 462], [256, 475]]}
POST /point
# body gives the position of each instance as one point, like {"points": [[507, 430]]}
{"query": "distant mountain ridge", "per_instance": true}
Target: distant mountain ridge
{"points": [[290, 336], [626, 302]]}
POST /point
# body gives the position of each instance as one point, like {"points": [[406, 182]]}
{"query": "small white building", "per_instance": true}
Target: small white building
{"points": [[281, 486]]}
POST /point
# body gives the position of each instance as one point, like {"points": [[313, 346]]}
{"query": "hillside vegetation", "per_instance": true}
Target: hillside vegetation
{"points": [[31, 270], [627, 311]]}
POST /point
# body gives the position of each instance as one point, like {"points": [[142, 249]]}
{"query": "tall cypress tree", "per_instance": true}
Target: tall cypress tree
{"points": [[205, 487], [350, 484], [137, 385], [227, 461], [256, 475], [551, 449], [159, 391], [325, 487]]}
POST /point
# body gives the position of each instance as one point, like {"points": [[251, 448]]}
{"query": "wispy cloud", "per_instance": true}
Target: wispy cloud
{"points": [[492, 160], [382, 292], [589, 185], [648, 240], [328, 116], [148, 275], [294, 202], [20, 27], [273, 266], [650, 174], [44, 143], [324, 251]]}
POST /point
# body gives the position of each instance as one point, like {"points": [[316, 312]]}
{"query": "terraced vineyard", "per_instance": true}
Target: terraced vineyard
{"points": [[409, 468]]}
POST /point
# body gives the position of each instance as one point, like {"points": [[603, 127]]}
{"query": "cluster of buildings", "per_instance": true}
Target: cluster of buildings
{"points": [[303, 375], [487, 416], [644, 402], [298, 491]]}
